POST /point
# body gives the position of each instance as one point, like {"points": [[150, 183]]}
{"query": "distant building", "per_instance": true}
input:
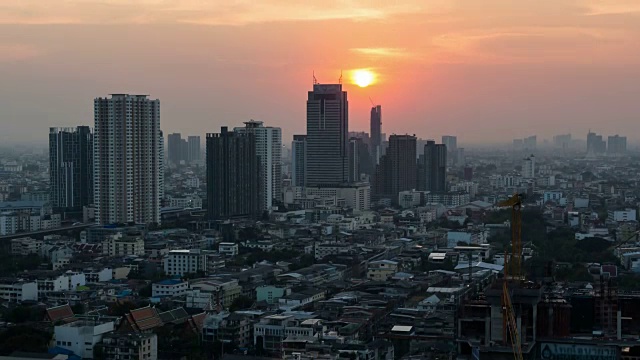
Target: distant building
{"points": [[81, 336], [451, 143], [269, 150], [195, 150], [71, 168], [174, 148], [397, 169], [432, 175], [299, 160], [234, 187], [169, 288], [595, 144], [327, 131], [356, 196], [12, 290], [617, 145], [529, 167], [181, 262], [381, 270], [128, 159], [376, 134], [354, 159]]}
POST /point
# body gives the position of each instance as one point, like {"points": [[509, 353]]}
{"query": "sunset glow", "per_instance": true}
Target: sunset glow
{"points": [[363, 77]]}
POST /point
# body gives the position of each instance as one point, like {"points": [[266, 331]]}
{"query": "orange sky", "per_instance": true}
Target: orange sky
{"points": [[486, 70]]}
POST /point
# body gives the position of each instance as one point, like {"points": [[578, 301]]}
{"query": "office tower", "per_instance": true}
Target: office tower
{"points": [[174, 143], [194, 149], [269, 150], [299, 160], [595, 144], [529, 167], [376, 133], [617, 145], [397, 169], [432, 174], [128, 159], [530, 143], [327, 124], [233, 175], [354, 159], [71, 168], [461, 157]]}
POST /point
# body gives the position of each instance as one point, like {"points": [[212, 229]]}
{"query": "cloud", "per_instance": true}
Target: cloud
{"points": [[381, 51], [204, 12]]}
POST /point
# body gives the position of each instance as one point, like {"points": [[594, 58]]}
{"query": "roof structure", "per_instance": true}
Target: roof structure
{"points": [[143, 319], [60, 313], [175, 316]]}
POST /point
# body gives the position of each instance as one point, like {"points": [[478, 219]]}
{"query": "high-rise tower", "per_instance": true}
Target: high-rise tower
{"points": [[233, 175], [299, 160], [128, 159], [397, 169], [71, 167], [327, 135], [269, 150], [433, 168], [376, 133]]}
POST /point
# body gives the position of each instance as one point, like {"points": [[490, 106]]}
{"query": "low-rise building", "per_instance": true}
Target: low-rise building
{"points": [[381, 270], [171, 287], [12, 290], [142, 346], [81, 336], [181, 262], [270, 293], [25, 246], [228, 249], [124, 245]]}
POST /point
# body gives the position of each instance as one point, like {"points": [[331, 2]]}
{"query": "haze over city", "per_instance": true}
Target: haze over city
{"points": [[488, 70]]}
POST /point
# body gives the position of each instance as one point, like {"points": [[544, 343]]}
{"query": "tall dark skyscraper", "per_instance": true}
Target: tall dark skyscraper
{"points": [[71, 167], [174, 148], [354, 159], [397, 169], [194, 149], [376, 133], [432, 173], [233, 175], [299, 160], [327, 135]]}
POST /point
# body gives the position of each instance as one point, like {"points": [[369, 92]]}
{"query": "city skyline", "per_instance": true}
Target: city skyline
{"points": [[468, 75]]}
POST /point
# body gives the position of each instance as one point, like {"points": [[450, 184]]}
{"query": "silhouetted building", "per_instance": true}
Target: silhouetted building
{"points": [[195, 151], [530, 143], [174, 148], [128, 159], [376, 133], [233, 175], [432, 175], [595, 144], [269, 149], [354, 159], [71, 168], [327, 129], [299, 160], [451, 142], [617, 145], [397, 169]]}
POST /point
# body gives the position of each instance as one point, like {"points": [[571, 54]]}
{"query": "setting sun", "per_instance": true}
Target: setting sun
{"points": [[363, 77]]}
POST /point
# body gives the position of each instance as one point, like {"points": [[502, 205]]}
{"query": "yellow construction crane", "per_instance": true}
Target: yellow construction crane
{"points": [[513, 272]]}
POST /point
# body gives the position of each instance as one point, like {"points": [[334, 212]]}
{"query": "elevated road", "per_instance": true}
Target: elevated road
{"points": [[46, 232]]}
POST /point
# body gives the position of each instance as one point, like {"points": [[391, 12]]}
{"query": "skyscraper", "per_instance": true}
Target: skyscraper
{"points": [[269, 150], [595, 144], [376, 133], [354, 159], [397, 169], [327, 141], [71, 168], [128, 159], [233, 175], [433, 168], [299, 160], [174, 150], [617, 145], [194, 148], [529, 167]]}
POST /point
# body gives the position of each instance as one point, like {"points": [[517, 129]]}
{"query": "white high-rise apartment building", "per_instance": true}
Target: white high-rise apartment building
{"points": [[128, 159], [269, 149], [529, 167]]}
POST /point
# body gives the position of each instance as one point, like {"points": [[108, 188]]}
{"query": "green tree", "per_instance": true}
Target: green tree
{"points": [[240, 303]]}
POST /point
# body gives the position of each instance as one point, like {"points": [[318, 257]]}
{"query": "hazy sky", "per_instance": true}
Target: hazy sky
{"points": [[485, 70]]}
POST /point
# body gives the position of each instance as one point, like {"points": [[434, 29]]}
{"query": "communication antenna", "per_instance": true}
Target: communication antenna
{"points": [[372, 103], [340, 79], [315, 81]]}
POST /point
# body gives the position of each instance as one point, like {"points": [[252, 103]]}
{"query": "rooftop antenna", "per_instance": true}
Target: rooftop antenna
{"points": [[372, 103], [315, 81], [340, 79]]}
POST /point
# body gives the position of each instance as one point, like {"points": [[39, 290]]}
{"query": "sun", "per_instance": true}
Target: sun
{"points": [[363, 77]]}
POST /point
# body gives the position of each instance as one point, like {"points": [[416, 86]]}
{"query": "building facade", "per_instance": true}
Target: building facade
{"points": [[234, 186], [71, 167], [128, 159], [432, 175], [376, 133], [327, 135], [180, 262], [269, 150], [299, 160], [397, 170]]}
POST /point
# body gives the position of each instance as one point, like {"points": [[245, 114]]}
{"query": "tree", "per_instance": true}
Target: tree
{"points": [[240, 303], [78, 308], [23, 338]]}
